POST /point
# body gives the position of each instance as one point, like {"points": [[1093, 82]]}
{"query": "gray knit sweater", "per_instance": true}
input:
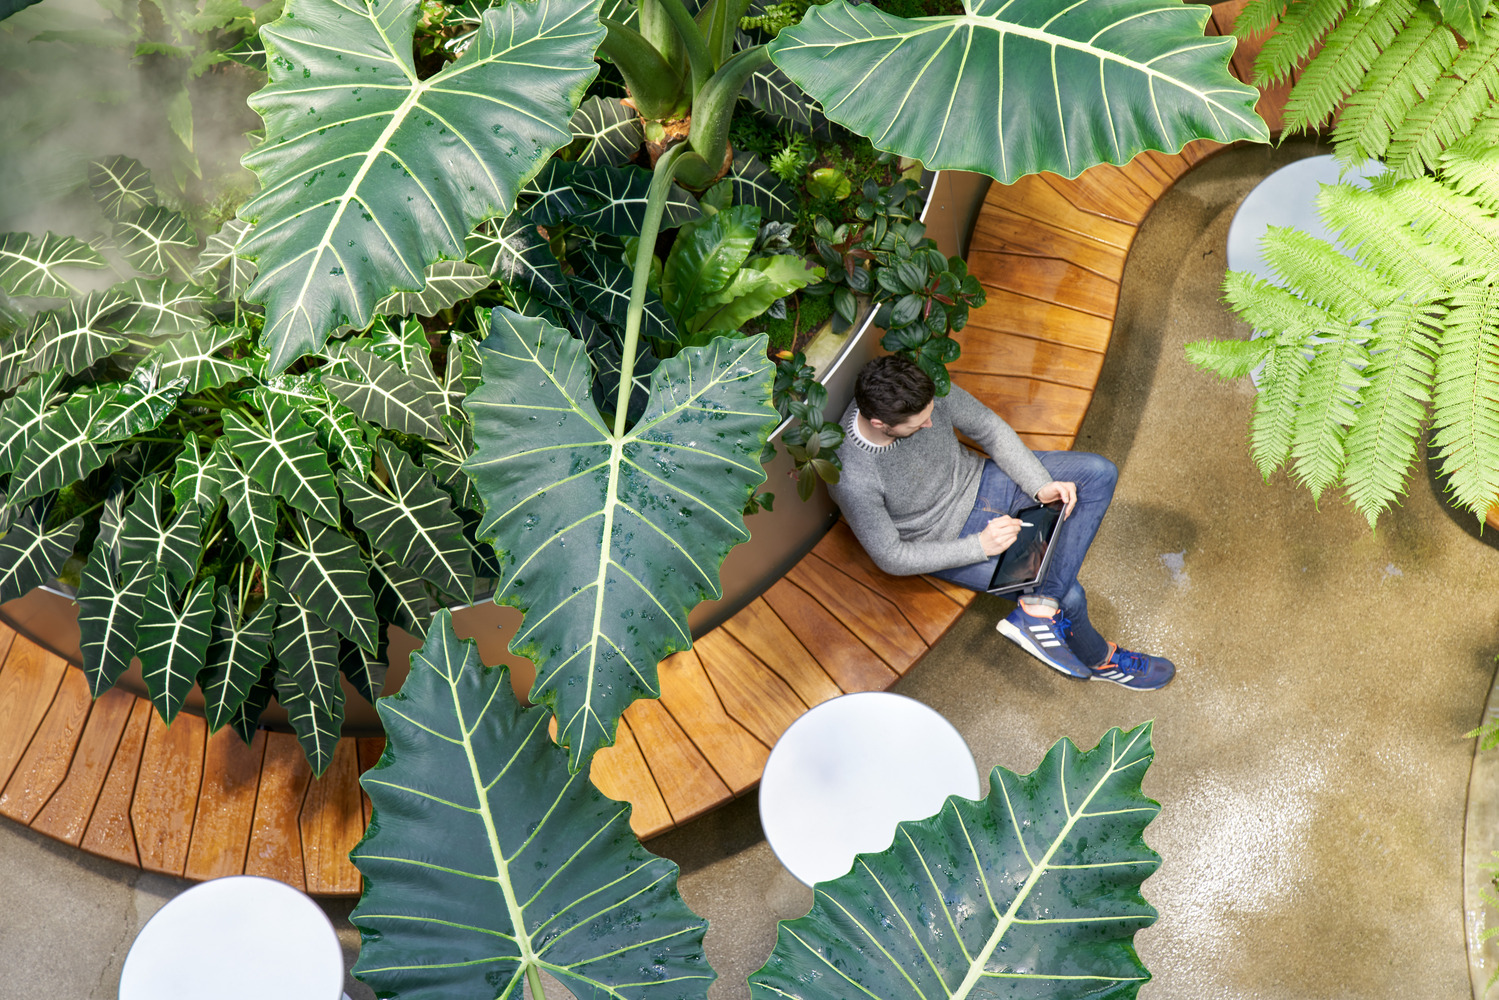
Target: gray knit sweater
{"points": [[908, 500]]}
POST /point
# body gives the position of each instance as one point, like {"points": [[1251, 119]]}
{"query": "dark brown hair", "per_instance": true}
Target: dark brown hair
{"points": [[892, 388]]}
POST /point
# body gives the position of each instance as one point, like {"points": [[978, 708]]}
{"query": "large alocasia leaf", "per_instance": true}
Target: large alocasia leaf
{"points": [[283, 456], [30, 555], [307, 683], [77, 335], [533, 870], [1033, 891], [325, 573], [172, 642], [448, 281], [122, 186], [238, 650], [384, 394], [62, 450], [1009, 89], [607, 543], [31, 265], [369, 174], [109, 609]]}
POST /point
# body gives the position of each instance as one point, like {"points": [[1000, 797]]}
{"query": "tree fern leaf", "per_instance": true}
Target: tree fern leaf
{"points": [[1270, 308], [1381, 445], [1326, 409], [1471, 165], [1373, 228], [1229, 358], [1258, 17], [1300, 29], [1273, 423], [1403, 74], [1316, 270], [1449, 111], [1438, 212], [1344, 59], [1466, 413]]}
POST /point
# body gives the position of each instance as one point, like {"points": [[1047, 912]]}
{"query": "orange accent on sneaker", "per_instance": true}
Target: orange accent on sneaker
{"points": [[1113, 648]]}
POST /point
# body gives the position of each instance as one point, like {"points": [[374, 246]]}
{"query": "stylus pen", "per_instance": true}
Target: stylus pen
{"points": [[1026, 524]]}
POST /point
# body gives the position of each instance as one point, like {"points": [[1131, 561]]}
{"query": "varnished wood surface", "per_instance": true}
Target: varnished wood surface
{"points": [[111, 777]]}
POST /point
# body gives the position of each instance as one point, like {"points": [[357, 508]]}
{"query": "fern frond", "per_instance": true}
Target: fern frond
{"points": [[1347, 53], [1438, 212], [1326, 409], [1465, 410], [1381, 445], [1450, 110], [1300, 29], [1369, 224], [1402, 75], [1229, 359], [1317, 271], [1269, 308], [1258, 17], [1471, 165], [1274, 420]]}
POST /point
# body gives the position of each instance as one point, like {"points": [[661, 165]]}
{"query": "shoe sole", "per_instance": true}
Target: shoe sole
{"points": [[1130, 687], [1019, 638]]}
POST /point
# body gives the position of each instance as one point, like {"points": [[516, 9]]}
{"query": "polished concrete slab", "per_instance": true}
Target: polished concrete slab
{"points": [[1310, 757]]}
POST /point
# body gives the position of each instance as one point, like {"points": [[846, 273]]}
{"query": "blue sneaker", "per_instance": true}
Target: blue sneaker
{"points": [[1136, 671], [1043, 639]]}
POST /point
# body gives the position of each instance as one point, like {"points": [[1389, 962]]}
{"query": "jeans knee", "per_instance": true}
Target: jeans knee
{"points": [[1099, 469], [1075, 600]]}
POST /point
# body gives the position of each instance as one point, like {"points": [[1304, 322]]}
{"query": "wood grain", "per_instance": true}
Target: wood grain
{"points": [[29, 680], [226, 805], [1105, 191], [999, 230], [1049, 280], [760, 630], [66, 815], [1035, 199], [620, 772], [166, 793], [109, 831], [1019, 315], [852, 665], [874, 619], [1032, 407], [1148, 176], [331, 823], [929, 611], [1023, 357], [1048, 442], [688, 783], [275, 839], [45, 764], [735, 754], [751, 693]]}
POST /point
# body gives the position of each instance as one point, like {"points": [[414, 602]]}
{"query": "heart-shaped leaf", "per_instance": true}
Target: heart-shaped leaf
{"points": [[140, 404], [534, 870], [196, 358], [611, 131], [252, 508], [31, 266], [30, 555], [222, 251], [384, 395], [173, 549], [238, 650], [590, 530], [400, 597], [325, 573], [448, 281], [283, 457], [161, 307], [772, 91], [22, 413], [121, 186], [754, 184], [607, 296], [365, 671], [77, 335], [172, 642], [368, 174], [606, 199], [156, 241], [1012, 89], [62, 450], [195, 479], [109, 609], [1032, 891], [511, 250], [307, 681]]}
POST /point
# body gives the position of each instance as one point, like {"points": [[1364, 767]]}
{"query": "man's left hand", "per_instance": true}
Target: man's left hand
{"points": [[1066, 492]]}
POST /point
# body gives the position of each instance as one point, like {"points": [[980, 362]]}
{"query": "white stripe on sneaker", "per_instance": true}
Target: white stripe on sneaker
{"points": [[1050, 644]]}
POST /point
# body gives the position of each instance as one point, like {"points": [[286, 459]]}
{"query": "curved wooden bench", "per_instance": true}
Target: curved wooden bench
{"points": [[108, 776]]}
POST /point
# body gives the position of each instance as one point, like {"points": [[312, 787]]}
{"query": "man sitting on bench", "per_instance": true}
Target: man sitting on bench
{"points": [[920, 502]]}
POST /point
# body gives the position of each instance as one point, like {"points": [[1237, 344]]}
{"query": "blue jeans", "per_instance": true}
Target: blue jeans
{"points": [[1095, 477]]}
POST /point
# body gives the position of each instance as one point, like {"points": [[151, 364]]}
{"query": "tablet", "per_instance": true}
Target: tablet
{"points": [[1022, 566]]}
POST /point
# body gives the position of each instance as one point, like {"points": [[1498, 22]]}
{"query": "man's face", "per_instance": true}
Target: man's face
{"points": [[912, 424]]}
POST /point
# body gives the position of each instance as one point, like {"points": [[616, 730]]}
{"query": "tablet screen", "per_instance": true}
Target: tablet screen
{"points": [[1022, 564]]}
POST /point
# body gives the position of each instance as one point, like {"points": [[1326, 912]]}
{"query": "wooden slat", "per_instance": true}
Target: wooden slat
{"points": [[1004, 354], [1106, 191], [67, 813], [960, 594], [1007, 313], [872, 617], [1033, 198], [752, 694], [28, 681], [1049, 280], [1272, 106], [1148, 177], [688, 783], [331, 823], [226, 805], [1001, 231], [929, 611], [275, 841], [1032, 407], [166, 793], [760, 630], [45, 763], [1170, 164], [851, 664], [109, 832], [734, 753], [1198, 150], [370, 749], [1049, 442], [620, 772]]}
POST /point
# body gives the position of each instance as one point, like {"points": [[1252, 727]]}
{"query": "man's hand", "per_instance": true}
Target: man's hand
{"points": [[1053, 492], [999, 534]]}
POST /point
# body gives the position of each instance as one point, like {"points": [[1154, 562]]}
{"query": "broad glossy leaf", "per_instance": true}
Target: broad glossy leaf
{"points": [[161, 307], [173, 548], [245, 719], [405, 342], [704, 258], [121, 186], [78, 334], [605, 347], [606, 546], [534, 867], [1033, 891], [400, 596], [752, 290], [608, 298], [283, 456], [141, 404], [448, 281], [606, 199], [612, 132], [31, 266], [754, 184], [365, 671], [1011, 89], [408, 518], [222, 251], [514, 252], [324, 573], [238, 650], [22, 414], [772, 91], [196, 358], [447, 468], [172, 642], [307, 681], [109, 608], [156, 241], [341, 432], [252, 509], [30, 555], [384, 395], [61, 450], [195, 478], [369, 174]]}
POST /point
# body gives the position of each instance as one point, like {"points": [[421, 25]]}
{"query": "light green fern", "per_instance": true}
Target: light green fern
{"points": [[1347, 53], [1301, 26]]}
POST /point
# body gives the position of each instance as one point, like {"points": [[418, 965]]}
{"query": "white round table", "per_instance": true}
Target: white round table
{"points": [[843, 775], [236, 938]]}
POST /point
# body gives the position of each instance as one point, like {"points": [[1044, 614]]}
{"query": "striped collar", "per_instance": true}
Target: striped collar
{"points": [[853, 434]]}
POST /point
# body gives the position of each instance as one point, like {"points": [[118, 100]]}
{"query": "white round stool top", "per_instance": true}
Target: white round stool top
{"points": [[1287, 197], [236, 938], [843, 775]]}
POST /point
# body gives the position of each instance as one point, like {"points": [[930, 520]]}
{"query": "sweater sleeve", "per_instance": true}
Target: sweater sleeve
{"points": [[864, 509], [998, 440]]}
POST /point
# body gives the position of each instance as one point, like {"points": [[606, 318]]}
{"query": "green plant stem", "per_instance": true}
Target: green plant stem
{"points": [[698, 56], [653, 84], [713, 111], [533, 977], [650, 228]]}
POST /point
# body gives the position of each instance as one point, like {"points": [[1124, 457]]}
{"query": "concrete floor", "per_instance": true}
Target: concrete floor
{"points": [[1310, 756]]}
